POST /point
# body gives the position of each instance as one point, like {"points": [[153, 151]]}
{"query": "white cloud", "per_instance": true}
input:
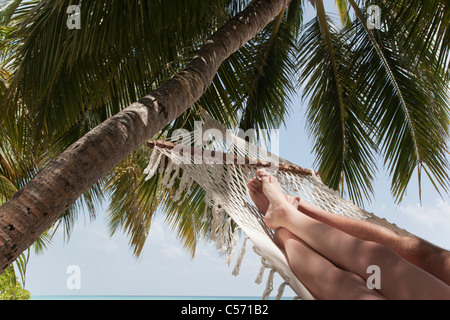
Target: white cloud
{"points": [[173, 252], [435, 216], [157, 231], [161, 240], [430, 222]]}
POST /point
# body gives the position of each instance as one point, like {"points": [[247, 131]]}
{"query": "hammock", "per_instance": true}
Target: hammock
{"points": [[222, 167]]}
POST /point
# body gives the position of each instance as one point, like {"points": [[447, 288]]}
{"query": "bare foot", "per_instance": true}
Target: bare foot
{"points": [[260, 199], [258, 196], [271, 187], [273, 194]]}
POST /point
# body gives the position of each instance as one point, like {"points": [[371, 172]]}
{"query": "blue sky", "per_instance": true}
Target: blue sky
{"points": [[108, 267]]}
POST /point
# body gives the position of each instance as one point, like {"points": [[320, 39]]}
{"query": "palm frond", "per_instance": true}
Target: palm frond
{"points": [[185, 218], [335, 117], [428, 21], [62, 73], [407, 101], [7, 11], [267, 104], [134, 201], [343, 11], [362, 86]]}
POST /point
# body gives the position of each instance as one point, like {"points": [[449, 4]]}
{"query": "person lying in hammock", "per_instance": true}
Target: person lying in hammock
{"points": [[330, 254]]}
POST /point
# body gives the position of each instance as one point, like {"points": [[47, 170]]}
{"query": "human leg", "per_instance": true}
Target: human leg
{"points": [[400, 279], [329, 242], [324, 280]]}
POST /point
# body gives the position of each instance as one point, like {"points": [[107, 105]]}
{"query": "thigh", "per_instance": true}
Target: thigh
{"points": [[400, 279], [321, 277]]}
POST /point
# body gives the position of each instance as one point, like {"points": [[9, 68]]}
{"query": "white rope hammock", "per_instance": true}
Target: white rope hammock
{"points": [[227, 198]]}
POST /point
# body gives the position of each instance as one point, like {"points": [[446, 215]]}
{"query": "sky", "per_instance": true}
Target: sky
{"points": [[107, 266]]}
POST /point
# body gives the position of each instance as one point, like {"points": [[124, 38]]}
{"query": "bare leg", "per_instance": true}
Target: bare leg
{"points": [[400, 279], [417, 251], [323, 279]]}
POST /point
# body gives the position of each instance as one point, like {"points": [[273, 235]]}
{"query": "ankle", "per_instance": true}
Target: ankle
{"points": [[276, 215]]}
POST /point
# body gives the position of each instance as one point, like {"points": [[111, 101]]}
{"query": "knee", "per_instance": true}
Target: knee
{"points": [[283, 233], [339, 284], [282, 237], [372, 253]]}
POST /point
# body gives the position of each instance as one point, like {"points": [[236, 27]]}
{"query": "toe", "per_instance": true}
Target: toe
{"points": [[254, 184], [262, 173]]}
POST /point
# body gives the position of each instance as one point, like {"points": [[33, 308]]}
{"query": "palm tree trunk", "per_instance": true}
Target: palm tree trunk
{"points": [[33, 209]]}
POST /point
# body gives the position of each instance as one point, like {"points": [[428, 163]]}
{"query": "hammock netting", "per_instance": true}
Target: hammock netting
{"points": [[223, 166]]}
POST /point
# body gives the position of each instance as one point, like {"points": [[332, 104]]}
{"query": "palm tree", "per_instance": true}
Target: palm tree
{"points": [[370, 91], [15, 168], [145, 118]]}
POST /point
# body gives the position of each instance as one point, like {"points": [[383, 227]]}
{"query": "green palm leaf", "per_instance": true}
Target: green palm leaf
{"points": [[368, 90], [133, 200], [65, 72], [407, 101], [335, 116]]}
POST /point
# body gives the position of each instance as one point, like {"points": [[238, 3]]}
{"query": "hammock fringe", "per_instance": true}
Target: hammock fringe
{"points": [[237, 268], [227, 204]]}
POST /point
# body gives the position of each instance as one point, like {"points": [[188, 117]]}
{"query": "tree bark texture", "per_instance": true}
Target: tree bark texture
{"points": [[34, 208]]}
